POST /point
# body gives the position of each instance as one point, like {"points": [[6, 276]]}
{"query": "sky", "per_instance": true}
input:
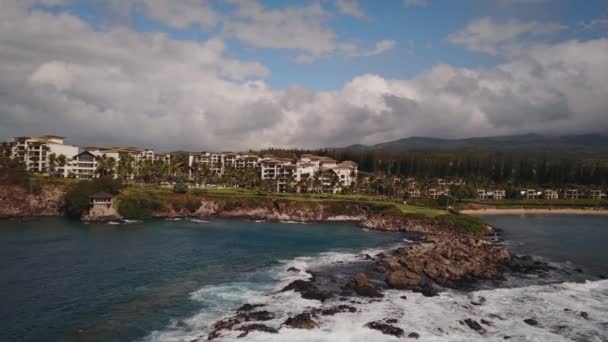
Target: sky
{"points": [[247, 74]]}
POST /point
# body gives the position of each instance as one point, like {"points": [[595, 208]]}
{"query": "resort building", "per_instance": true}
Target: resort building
{"points": [[41, 154], [597, 194], [83, 166], [436, 193], [550, 194], [532, 194], [491, 194], [571, 194], [413, 193]]}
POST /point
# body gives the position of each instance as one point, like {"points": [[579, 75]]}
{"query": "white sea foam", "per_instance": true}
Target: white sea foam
{"points": [[197, 220], [435, 319], [294, 222], [132, 221], [173, 219]]}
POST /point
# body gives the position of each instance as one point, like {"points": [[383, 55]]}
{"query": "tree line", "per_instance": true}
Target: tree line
{"points": [[473, 166]]}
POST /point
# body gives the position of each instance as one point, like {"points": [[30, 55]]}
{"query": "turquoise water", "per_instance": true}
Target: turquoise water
{"points": [[582, 240], [64, 280], [170, 280]]}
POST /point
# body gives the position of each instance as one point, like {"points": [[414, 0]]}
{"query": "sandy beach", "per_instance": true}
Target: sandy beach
{"points": [[524, 211]]}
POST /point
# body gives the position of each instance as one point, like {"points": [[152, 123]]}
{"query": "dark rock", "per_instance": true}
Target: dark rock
{"points": [[403, 297], [364, 288], [567, 310], [483, 321], [361, 280], [256, 327], [338, 309], [391, 320], [473, 324], [403, 279], [293, 269], [249, 307], [413, 335], [531, 321], [225, 324], [584, 315], [301, 321], [386, 329], [368, 257], [579, 270], [429, 290], [506, 337], [307, 289], [257, 316]]}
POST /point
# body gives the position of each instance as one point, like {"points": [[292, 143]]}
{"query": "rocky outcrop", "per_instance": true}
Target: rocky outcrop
{"points": [[16, 201], [447, 259], [301, 321], [386, 329]]}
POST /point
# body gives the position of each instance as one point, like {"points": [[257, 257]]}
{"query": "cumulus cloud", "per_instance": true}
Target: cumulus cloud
{"points": [[350, 7], [303, 29], [180, 14], [509, 37], [118, 86]]}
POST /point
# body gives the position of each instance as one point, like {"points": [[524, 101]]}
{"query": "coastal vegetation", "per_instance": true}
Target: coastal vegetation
{"points": [[476, 167], [77, 196]]}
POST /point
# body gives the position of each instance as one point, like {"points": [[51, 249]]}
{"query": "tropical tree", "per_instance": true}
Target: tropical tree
{"points": [[105, 165], [62, 162], [52, 164], [126, 167]]}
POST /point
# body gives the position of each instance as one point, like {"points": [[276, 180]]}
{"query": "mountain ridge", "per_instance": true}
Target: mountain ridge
{"points": [[584, 145]]}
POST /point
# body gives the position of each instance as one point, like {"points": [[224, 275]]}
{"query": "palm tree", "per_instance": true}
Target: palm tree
{"points": [[126, 167], [62, 162], [52, 164], [105, 165]]}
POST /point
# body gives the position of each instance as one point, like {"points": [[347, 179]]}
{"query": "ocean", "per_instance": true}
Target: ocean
{"points": [[167, 280]]}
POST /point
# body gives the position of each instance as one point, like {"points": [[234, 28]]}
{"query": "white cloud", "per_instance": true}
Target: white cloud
{"points": [[380, 48], [119, 86], [350, 7], [180, 14], [488, 36]]}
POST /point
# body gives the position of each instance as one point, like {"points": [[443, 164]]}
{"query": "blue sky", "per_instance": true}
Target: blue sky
{"points": [[241, 74], [419, 33]]}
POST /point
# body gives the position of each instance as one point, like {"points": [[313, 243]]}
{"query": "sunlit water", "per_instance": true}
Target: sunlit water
{"points": [[170, 280]]}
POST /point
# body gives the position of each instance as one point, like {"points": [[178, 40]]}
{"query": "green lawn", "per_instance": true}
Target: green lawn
{"points": [[540, 203]]}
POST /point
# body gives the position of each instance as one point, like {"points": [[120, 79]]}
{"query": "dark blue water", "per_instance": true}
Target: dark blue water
{"points": [[67, 281], [582, 240]]}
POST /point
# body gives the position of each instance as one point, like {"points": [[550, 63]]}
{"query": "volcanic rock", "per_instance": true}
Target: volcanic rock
{"points": [[386, 329], [301, 321]]}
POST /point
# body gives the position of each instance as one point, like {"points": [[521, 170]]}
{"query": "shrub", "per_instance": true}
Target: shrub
{"points": [[77, 198], [180, 188], [192, 204], [177, 205], [138, 205], [464, 223], [416, 216]]}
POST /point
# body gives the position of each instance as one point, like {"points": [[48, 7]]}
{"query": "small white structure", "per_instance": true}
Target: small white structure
{"points": [[551, 194], [597, 194], [101, 199]]}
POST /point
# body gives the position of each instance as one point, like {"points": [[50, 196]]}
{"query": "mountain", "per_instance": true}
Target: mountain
{"points": [[594, 145]]}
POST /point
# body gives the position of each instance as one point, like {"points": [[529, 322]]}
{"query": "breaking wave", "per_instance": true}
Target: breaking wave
{"points": [[563, 311]]}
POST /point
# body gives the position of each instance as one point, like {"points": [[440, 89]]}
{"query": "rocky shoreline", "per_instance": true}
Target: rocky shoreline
{"points": [[436, 259]]}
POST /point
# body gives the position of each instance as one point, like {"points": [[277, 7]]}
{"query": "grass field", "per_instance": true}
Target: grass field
{"points": [[541, 203]]}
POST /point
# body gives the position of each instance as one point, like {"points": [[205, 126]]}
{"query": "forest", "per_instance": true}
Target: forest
{"points": [[478, 167]]}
